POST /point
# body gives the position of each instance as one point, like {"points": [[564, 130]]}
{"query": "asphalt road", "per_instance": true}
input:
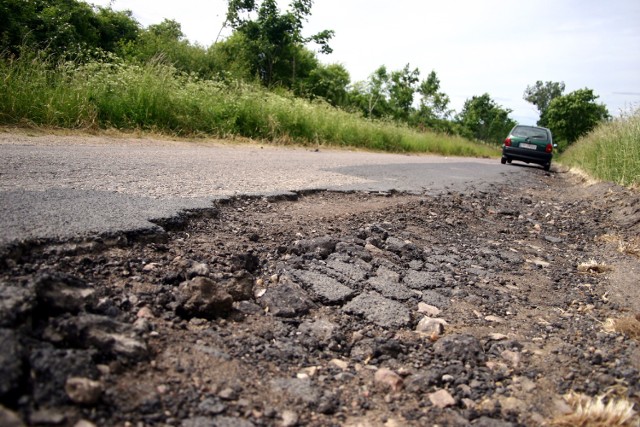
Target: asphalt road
{"points": [[54, 187]]}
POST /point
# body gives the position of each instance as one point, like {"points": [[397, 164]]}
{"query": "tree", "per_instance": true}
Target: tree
{"points": [[166, 42], [573, 115], [330, 83], [481, 118], [371, 96], [275, 39], [387, 94], [402, 88], [541, 94]]}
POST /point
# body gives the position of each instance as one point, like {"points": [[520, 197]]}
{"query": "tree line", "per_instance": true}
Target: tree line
{"points": [[269, 47]]}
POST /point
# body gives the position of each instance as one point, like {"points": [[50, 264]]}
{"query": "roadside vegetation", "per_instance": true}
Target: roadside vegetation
{"points": [[68, 64], [611, 152], [157, 97]]}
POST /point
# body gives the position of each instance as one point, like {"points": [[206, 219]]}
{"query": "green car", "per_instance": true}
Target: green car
{"points": [[529, 144]]}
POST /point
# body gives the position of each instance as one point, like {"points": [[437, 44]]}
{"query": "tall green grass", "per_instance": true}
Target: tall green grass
{"points": [[156, 97], [611, 152]]}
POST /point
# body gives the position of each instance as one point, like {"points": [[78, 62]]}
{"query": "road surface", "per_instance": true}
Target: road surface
{"points": [[60, 187]]}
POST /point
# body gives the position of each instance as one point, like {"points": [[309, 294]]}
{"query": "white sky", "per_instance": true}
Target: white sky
{"points": [[475, 46]]}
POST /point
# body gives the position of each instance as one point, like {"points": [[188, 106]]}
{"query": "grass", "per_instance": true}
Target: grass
{"points": [[156, 97], [629, 326], [593, 412], [611, 152]]}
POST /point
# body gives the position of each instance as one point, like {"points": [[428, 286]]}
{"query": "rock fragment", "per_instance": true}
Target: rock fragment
{"points": [[431, 326], [204, 298], [61, 293], [325, 289], [11, 369], [16, 303], [8, 418], [441, 399], [286, 299], [83, 391], [320, 247], [388, 378], [379, 310]]}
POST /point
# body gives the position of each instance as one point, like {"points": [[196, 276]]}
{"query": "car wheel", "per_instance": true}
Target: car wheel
{"points": [[509, 161], [503, 160], [547, 166]]}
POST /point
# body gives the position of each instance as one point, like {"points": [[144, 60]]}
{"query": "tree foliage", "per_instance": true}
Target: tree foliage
{"points": [[329, 82], [63, 28], [402, 96], [482, 118], [541, 94], [274, 39], [575, 114]]}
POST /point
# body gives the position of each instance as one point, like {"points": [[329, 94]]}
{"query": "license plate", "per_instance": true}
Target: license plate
{"points": [[529, 146]]}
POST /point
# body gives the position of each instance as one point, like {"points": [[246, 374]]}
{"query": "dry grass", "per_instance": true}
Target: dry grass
{"points": [[629, 247], [593, 412], [629, 326], [593, 267]]}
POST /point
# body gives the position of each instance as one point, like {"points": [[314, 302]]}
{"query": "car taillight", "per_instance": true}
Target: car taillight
{"points": [[549, 148], [507, 142]]}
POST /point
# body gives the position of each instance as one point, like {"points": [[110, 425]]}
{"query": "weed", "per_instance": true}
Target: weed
{"points": [[593, 267], [593, 412], [629, 326]]}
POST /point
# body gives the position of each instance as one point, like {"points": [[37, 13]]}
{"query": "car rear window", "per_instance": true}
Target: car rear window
{"points": [[530, 132]]}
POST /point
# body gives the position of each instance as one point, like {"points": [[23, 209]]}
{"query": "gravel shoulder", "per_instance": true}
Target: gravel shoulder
{"points": [[331, 308]]}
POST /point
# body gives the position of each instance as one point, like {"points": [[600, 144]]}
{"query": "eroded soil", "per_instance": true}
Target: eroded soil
{"points": [[333, 309]]}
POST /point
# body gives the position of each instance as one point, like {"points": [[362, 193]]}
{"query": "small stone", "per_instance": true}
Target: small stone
{"points": [[429, 310], [446, 378], [141, 325], [150, 267], [145, 313], [431, 326], [289, 418], [47, 416], [211, 406], [539, 263], [511, 357], [83, 391], [84, 423], [342, 364], [497, 337], [198, 269], [8, 418], [494, 319], [441, 399], [228, 394], [388, 378]]}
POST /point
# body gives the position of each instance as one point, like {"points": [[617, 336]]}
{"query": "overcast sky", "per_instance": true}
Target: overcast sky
{"points": [[475, 46]]}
